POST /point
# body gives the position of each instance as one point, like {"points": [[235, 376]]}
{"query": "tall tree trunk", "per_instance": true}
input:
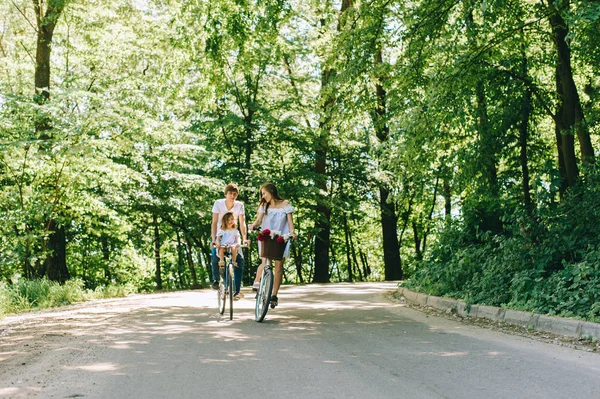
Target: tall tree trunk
{"points": [[365, 263], [523, 141], [55, 264], [447, 198], [560, 140], [572, 118], [347, 240], [190, 261], [106, 258], [389, 218], [353, 250], [417, 240], [524, 127], [323, 222], [323, 208], [158, 273], [180, 261]]}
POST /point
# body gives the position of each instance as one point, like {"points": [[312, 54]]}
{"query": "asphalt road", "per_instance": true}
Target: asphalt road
{"points": [[323, 341]]}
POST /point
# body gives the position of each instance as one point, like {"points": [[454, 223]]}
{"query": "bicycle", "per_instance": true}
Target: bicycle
{"points": [[271, 250], [227, 282]]}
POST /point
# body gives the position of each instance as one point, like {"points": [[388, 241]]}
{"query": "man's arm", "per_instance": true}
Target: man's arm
{"points": [[213, 228], [242, 218]]}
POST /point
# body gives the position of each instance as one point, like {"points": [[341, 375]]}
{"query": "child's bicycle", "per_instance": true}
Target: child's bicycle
{"points": [[227, 282]]}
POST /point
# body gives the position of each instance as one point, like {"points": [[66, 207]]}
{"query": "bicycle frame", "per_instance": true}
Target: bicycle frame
{"points": [[226, 283]]}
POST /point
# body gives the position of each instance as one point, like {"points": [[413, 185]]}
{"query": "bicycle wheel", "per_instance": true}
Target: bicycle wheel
{"points": [[230, 288], [221, 291], [263, 298]]}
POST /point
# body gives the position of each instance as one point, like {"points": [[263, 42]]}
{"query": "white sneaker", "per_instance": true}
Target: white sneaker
{"points": [[255, 286]]}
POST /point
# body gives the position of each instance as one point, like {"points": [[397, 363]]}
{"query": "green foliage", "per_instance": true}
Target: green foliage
{"points": [[549, 264], [155, 106], [27, 295]]}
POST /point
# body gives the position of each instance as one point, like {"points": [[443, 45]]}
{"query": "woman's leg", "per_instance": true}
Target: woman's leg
{"points": [[277, 276], [259, 270]]}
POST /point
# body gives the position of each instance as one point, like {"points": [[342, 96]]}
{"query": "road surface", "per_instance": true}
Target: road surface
{"points": [[323, 341]]}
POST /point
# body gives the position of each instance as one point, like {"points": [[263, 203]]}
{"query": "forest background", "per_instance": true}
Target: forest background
{"points": [[450, 144]]}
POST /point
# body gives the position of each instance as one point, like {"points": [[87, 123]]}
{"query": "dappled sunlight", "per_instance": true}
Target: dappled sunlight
{"points": [[445, 354], [8, 391], [242, 353], [6, 355], [212, 361], [190, 320], [96, 367], [230, 335]]}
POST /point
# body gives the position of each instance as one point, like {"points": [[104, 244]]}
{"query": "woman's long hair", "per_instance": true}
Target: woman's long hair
{"points": [[271, 189]]}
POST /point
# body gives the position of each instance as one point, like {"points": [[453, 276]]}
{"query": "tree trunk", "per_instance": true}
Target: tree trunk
{"points": [[353, 250], [417, 240], [389, 218], [523, 140], [560, 140], [158, 274], [180, 261], [323, 222], [447, 199], [106, 258], [365, 263], [572, 118], [190, 261], [348, 258], [56, 263]]}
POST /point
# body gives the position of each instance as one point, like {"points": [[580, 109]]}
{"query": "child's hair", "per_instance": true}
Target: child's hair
{"points": [[226, 218]]}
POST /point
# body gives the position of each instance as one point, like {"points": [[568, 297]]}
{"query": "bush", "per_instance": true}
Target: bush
{"points": [[547, 263]]}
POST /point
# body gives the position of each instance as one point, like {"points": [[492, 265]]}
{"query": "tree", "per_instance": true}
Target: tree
{"points": [[47, 16]]}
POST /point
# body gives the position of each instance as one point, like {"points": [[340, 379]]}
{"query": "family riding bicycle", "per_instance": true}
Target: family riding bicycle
{"points": [[275, 221]]}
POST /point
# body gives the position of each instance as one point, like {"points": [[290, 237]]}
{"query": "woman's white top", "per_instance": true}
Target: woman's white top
{"points": [[276, 219]]}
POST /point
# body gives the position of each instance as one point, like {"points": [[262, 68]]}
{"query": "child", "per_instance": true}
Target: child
{"points": [[229, 235]]}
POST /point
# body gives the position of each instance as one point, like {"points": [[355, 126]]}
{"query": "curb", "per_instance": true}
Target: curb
{"points": [[533, 321]]}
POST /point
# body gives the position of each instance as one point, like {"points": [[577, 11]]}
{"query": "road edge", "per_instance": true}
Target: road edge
{"points": [[533, 321]]}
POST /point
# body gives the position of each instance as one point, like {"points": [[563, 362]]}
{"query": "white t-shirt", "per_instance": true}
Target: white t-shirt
{"points": [[220, 208]]}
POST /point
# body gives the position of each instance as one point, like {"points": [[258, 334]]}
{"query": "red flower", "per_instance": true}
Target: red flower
{"points": [[266, 232], [280, 240], [260, 237]]}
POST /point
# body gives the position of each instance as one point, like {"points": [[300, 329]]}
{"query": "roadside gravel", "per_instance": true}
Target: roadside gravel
{"points": [[574, 343]]}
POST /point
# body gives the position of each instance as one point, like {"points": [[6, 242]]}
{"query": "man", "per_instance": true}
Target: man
{"points": [[221, 207]]}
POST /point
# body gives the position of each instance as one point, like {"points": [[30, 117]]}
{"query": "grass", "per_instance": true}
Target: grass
{"points": [[27, 295]]}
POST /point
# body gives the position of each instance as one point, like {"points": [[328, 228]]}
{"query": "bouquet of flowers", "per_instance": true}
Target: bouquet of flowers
{"points": [[273, 235]]}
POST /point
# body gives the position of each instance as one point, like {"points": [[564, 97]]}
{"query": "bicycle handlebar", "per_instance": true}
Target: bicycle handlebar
{"points": [[231, 246]]}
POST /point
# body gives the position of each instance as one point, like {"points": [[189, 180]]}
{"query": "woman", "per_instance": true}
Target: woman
{"points": [[274, 213]]}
